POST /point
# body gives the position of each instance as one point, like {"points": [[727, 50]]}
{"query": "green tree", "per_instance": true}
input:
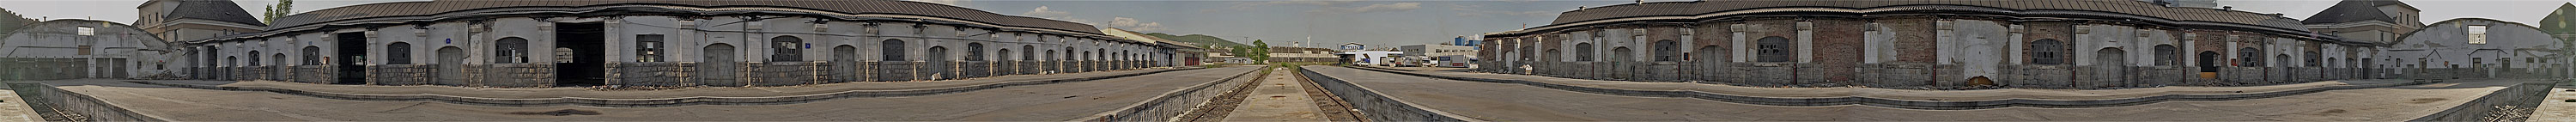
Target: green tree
{"points": [[1260, 51], [281, 9], [10, 22]]}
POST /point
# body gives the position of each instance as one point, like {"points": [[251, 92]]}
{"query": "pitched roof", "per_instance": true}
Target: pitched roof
{"points": [[2354, 10], [218, 10]]}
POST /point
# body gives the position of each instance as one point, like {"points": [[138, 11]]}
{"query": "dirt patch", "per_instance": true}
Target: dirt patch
{"points": [[564, 112], [2426, 100]]}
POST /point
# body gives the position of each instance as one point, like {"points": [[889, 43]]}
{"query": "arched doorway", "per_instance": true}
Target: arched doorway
{"points": [[845, 64], [2208, 61], [1621, 67], [938, 67], [717, 66], [451, 66], [2110, 68]]}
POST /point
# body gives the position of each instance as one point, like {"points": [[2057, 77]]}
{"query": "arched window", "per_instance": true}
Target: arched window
{"points": [[974, 51], [1667, 50], [1004, 55], [2314, 61], [937, 54], [236, 61], [312, 55], [1774, 49], [2249, 57], [398, 53], [2047, 52], [254, 58], [1028, 53], [1583, 52], [1050, 55], [1068, 55], [2167, 55], [893, 50], [786, 49], [510, 50]]}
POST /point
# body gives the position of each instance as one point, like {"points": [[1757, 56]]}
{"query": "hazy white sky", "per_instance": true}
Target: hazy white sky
{"points": [[1327, 21]]}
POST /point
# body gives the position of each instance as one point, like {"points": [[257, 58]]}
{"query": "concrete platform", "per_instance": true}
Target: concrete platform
{"points": [[1279, 97], [1515, 102], [2555, 108], [1051, 102], [15, 109]]}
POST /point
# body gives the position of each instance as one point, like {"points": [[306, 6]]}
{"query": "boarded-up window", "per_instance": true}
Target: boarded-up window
{"points": [[1583, 52]]}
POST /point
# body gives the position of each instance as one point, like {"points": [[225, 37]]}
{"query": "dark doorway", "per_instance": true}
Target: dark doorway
{"points": [[586, 45], [2208, 64], [352, 54]]}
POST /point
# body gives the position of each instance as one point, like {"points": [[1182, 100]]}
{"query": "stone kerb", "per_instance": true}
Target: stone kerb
{"points": [[648, 102], [1907, 104], [1376, 106]]}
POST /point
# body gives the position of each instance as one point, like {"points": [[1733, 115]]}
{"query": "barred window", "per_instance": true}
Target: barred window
{"points": [[254, 58], [398, 53], [510, 50], [2167, 55], [648, 48], [1583, 52], [893, 49], [1774, 49], [2047, 52], [2313, 58], [974, 51], [312, 55], [2249, 57], [1667, 50], [786, 49]]}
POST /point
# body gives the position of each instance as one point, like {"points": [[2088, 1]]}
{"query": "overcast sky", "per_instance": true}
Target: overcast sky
{"points": [[1327, 21]]}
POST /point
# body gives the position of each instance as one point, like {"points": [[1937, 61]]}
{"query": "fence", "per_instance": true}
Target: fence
{"points": [[54, 103]]}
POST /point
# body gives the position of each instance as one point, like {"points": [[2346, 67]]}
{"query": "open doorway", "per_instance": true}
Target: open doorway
{"points": [[351, 52], [583, 43]]}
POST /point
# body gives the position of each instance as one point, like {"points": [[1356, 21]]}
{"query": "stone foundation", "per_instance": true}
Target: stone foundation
{"points": [[650, 74], [400, 74], [519, 75]]}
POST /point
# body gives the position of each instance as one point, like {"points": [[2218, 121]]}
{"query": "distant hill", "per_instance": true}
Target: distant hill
{"points": [[1203, 40]]}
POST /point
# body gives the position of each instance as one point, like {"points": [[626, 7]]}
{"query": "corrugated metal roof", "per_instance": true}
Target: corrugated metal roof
{"points": [[2129, 7], [432, 8]]}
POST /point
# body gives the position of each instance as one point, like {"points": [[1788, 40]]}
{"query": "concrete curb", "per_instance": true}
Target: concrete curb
{"points": [[1140, 107], [654, 102], [1905, 104], [1427, 114]]}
